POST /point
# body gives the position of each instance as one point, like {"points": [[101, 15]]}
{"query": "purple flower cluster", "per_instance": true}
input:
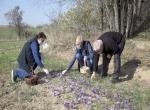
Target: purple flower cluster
{"points": [[83, 93], [56, 92], [120, 103], [125, 105], [70, 105]]}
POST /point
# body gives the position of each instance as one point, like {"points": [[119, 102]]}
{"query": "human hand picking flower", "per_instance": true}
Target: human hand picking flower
{"points": [[109, 56], [64, 72], [46, 71], [93, 77]]}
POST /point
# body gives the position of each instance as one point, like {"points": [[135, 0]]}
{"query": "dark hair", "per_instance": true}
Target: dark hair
{"points": [[41, 35]]}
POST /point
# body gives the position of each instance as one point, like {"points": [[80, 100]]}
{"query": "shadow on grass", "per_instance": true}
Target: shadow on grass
{"points": [[128, 69]]}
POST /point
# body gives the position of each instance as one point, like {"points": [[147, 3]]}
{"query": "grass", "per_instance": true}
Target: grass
{"points": [[7, 33], [143, 36], [138, 95], [8, 54], [10, 33]]}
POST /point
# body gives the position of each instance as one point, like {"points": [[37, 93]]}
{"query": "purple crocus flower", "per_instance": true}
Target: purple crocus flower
{"points": [[56, 93], [89, 103], [66, 104], [94, 90], [72, 105], [82, 80], [82, 91], [117, 106]]}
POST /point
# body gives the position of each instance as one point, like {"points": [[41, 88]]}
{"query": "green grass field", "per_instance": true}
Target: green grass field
{"points": [[7, 33], [134, 92]]}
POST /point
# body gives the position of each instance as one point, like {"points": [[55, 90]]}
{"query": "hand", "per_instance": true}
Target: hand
{"points": [[93, 77], [46, 71], [64, 72], [109, 56]]}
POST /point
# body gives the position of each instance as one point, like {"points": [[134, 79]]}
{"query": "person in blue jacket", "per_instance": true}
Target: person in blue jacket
{"points": [[29, 58], [83, 54]]}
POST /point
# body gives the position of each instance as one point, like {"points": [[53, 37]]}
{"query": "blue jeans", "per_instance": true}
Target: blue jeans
{"points": [[80, 59], [21, 73]]}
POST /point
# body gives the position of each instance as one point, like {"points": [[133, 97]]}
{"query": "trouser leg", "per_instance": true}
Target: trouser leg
{"points": [[117, 65], [90, 64], [20, 73], [105, 64], [79, 57], [117, 59]]}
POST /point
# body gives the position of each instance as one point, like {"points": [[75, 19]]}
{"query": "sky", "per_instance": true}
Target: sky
{"points": [[35, 12]]}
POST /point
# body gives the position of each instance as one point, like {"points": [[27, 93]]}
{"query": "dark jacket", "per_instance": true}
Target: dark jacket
{"points": [[29, 56], [86, 50], [113, 42]]}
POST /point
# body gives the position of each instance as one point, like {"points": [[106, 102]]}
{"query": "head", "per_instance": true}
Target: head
{"points": [[41, 37], [98, 46], [79, 41]]}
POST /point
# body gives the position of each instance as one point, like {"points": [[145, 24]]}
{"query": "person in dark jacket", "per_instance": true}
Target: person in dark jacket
{"points": [[83, 54], [29, 58], [108, 44]]}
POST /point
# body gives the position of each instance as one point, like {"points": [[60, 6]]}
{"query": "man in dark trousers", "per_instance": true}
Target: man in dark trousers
{"points": [[83, 54], [108, 44], [29, 58]]}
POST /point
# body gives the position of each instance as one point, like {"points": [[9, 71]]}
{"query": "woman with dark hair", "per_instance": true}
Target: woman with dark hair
{"points": [[29, 58]]}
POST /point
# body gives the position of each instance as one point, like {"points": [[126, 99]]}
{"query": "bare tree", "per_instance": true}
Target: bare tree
{"points": [[14, 17]]}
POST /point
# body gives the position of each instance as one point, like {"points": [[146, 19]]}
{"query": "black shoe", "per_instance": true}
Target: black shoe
{"points": [[115, 80], [104, 75]]}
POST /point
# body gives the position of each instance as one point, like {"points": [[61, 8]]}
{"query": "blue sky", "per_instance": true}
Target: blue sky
{"points": [[35, 11]]}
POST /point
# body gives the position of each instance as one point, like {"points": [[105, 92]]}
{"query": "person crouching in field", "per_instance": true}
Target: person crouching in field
{"points": [[29, 58], [83, 54], [108, 44]]}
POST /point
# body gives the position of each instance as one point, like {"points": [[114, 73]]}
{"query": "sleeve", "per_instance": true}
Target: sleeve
{"points": [[90, 49], [95, 62], [115, 48], [72, 62], [36, 54]]}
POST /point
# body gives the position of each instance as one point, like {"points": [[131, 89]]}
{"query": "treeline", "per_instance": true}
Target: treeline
{"points": [[15, 19], [90, 17]]}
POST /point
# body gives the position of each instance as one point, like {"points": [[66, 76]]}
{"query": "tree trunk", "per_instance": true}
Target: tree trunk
{"points": [[123, 16], [110, 15], [133, 25], [102, 22], [139, 4], [117, 11], [129, 18], [116, 15]]}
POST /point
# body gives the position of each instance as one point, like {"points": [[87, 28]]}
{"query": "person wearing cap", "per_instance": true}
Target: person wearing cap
{"points": [[108, 44], [29, 58], [83, 54]]}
